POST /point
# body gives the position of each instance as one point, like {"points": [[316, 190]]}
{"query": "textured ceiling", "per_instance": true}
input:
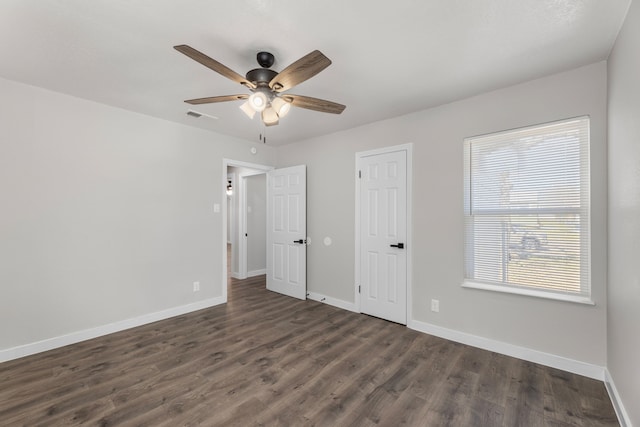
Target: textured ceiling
{"points": [[389, 58]]}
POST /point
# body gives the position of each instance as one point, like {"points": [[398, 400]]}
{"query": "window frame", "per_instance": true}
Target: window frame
{"points": [[584, 296]]}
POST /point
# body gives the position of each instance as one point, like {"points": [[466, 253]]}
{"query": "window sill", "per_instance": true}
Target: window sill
{"points": [[528, 292]]}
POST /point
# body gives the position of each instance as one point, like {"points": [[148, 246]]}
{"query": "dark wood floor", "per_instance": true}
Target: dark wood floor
{"points": [[266, 359]]}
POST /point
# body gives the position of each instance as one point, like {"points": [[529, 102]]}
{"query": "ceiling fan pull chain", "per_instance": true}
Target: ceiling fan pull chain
{"points": [[263, 134]]}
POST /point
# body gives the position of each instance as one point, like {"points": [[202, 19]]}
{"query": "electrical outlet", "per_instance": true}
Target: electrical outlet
{"points": [[435, 305], [196, 286]]}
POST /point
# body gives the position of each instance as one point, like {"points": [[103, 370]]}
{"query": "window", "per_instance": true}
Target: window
{"points": [[527, 211]]}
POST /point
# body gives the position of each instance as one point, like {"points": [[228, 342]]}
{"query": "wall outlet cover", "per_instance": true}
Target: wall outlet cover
{"points": [[435, 305]]}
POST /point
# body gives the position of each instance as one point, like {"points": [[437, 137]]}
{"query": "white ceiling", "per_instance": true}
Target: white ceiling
{"points": [[389, 57]]}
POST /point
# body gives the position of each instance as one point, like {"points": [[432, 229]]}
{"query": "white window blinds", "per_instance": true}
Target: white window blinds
{"points": [[527, 209]]}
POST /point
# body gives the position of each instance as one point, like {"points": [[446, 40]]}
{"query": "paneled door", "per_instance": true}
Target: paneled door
{"points": [[383, 234], [287, 231]]}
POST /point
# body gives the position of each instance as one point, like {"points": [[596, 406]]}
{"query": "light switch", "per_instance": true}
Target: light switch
{"points": [[216, 208]]}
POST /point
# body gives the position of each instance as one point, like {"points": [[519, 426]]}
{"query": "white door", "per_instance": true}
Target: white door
{"points": [[287, 231], [383, 235]]}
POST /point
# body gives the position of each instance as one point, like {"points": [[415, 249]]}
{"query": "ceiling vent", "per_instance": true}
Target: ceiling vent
{"points": [[198, 114]]}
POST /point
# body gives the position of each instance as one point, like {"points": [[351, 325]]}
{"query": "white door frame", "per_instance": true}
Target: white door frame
{"points": [[225, 164], [409, 245]]}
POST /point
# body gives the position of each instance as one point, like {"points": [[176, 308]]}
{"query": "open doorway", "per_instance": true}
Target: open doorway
{"points": [[245, 221]]}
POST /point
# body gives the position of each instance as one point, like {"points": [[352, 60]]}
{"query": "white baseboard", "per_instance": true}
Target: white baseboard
{"points": [[621, 412], [547, 359], [256, 272], [87, 334], [345, 305]]}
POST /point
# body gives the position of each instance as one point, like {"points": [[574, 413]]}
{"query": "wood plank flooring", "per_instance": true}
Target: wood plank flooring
{"points": [[264, 359]]}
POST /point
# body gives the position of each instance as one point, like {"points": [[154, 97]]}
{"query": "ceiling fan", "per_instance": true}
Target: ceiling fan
{"points": [[268, 86]]}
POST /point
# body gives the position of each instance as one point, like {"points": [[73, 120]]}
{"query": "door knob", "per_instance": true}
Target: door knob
{"points": [[301, 241], [399, 246]]}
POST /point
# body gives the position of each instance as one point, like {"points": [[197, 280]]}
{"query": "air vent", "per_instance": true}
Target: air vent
{"points": [[198, 114]]}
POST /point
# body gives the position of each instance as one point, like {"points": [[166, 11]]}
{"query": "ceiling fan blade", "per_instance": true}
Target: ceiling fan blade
{"points": [[212, 99], [316, 104], [213, 64], [301, 70]]}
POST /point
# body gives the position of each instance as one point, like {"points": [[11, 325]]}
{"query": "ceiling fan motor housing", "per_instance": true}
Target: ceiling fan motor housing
{"points": [[261, 75]]}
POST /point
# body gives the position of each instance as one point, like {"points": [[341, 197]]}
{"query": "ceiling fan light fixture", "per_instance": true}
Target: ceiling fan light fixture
{"points": [[258, 101], [281, 106], [267, 86], [248, 110], [270, 116]]}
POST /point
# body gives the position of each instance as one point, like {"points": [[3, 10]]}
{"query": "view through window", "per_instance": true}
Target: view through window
{"points": [[527, 209]]}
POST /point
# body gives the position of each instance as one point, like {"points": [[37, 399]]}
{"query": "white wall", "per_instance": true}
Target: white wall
{"points": [[624, 215], [570, 330], [256, 223], [106, 214]]}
